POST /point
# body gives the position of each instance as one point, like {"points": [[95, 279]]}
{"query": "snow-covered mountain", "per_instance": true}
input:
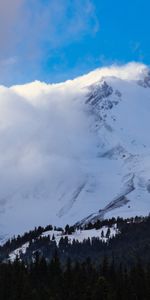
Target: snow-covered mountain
{"points": [[75, 151]]}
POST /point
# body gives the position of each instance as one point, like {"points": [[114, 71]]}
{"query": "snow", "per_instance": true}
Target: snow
{"points": [[16, 253], [63, 158], [81, 235], [78, 235]]}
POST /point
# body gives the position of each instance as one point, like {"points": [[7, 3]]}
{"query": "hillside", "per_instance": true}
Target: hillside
{"points": [[123, 241]]}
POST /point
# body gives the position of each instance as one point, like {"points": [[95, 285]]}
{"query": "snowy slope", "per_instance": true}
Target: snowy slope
{"points": [[75, 151], [78, 235]]}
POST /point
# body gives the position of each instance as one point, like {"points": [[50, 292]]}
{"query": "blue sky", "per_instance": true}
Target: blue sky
{"points": [[55, 40]]}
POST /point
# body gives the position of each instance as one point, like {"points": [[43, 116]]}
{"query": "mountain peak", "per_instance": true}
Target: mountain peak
{"points": [[72, 150]]}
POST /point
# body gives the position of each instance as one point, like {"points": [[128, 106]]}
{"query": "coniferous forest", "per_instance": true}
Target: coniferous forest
{"points": [[118, 269], [75, 281]]}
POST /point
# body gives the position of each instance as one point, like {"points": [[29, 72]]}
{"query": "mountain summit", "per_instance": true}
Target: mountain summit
{"points": [[75, 151]]}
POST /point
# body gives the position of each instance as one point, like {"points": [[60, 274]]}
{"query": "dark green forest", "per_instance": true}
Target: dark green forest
{"points": [[118, 269], [74, 281]]}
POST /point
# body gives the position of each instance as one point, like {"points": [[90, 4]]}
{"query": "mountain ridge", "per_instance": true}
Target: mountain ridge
{"points": [[74, 149]]}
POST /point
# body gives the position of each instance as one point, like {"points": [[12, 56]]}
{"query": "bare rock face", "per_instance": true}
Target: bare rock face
{"points": [[102, 97], [98, 92], [146, 81]]}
